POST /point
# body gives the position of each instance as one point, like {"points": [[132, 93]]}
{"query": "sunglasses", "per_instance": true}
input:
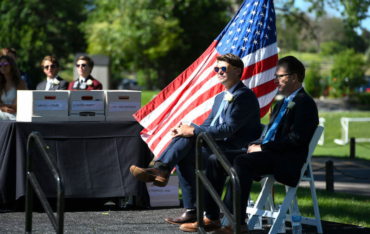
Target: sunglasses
{"points": [[5, 64], [82, 65], [223, 69], [51, 66]]}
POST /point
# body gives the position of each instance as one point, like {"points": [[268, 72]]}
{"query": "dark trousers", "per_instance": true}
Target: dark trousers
{"points": [[248, 167], [181, 154]]}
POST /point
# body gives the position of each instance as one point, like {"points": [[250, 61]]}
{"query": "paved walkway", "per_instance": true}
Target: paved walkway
{"points": [[343, 183], [108, 220]]}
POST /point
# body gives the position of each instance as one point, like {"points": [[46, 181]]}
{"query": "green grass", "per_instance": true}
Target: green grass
{"points": [[333, 130], [333, 207], [146, 96]]}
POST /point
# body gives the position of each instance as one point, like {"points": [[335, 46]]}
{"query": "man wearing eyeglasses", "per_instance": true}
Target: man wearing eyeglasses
{"points": [[281, 152], [233, 122], [53, 81], [85, 81]]}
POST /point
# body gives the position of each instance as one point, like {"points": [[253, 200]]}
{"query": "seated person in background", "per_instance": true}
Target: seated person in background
{"points": [[13, 53], [10, 82], [53, 81], [282, 152], [85, 81], [233, 121]]}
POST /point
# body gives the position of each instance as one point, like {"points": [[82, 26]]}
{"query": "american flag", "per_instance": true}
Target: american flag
{"points": [[251, 34]]}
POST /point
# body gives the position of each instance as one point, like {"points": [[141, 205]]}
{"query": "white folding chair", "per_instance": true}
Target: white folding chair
{"points": [[306, 175]]}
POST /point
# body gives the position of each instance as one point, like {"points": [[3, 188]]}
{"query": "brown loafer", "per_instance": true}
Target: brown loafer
{"points": [[160, 178], [209, 225], [229, 230], [185, 217]]}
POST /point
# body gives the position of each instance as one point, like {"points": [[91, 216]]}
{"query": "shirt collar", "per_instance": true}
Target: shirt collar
{"points": [[83, 79], [291, 97], [233, 88], [53, 78]]}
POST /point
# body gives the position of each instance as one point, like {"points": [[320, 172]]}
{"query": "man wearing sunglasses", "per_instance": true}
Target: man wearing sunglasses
{"points": [[233, 122], [85, 81], [53, 81]]}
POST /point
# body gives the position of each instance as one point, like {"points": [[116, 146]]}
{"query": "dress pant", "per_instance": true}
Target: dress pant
{"points": [[181, 154], [248, 167]]}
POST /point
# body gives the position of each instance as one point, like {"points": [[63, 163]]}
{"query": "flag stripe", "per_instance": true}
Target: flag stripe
{"points": [[163, 96]]}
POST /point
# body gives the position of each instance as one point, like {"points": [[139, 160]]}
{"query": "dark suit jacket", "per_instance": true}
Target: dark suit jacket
{"points": [[242, 118], [96, 85], [63, 85], [293, 136]]}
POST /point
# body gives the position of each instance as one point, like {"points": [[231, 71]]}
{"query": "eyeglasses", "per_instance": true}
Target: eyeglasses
{"points": [[278, 77], [82, 65], [51, 66], [5, 64], [223, 68]]}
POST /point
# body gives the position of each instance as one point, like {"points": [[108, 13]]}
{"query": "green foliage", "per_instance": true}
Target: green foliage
{"points": [[367, 55], [38, 28], [312, 81], [164, 36], [347, 73], [331, 47], [363, 98]]}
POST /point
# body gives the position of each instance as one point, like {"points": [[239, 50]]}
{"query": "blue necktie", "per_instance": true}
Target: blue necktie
{"points": [[218, 112], [274, 126]]}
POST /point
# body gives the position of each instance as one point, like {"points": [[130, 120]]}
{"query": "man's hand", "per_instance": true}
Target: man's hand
{"points": [[254, 148], [182, 131]]}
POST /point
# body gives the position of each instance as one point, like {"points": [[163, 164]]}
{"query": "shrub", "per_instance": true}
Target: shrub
{"points": [[331, 48], [312, 82], [347, 73], [363, 98]]}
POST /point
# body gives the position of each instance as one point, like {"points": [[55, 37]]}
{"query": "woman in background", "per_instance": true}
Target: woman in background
{"points": [[10, 82]]}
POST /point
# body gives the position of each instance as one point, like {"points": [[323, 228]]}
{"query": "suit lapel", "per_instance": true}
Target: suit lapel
{"points": [[238, 86], [288, 112]]}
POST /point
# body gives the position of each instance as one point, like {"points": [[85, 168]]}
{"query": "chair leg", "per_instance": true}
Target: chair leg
{"points": [[261, 200], [314, 202], [283, 210]]}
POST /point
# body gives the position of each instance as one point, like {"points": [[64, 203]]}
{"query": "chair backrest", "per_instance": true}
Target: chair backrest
{"points": [[314, 140], [311, 148]]}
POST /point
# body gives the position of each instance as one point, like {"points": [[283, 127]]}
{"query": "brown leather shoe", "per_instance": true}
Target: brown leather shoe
{"points": [[209, 225], [185, 217], [229, 230], [160, 178]]}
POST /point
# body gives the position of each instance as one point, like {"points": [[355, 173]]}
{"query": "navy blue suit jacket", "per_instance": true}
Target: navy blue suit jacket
{"points": [[242, 118], [292, 137]]}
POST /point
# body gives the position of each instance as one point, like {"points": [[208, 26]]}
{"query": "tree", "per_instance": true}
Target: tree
{"points": [[38, 28], [162, 37], [347, 73]]}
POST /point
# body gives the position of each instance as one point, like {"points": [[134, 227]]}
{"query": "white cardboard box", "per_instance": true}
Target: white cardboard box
{"points": [[36, 106], [121, 105], [165, 196], [87, 106]]}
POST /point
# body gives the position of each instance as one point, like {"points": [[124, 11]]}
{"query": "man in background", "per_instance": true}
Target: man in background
{"points": [[53, 81], [85, 81], [13, 53]]}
